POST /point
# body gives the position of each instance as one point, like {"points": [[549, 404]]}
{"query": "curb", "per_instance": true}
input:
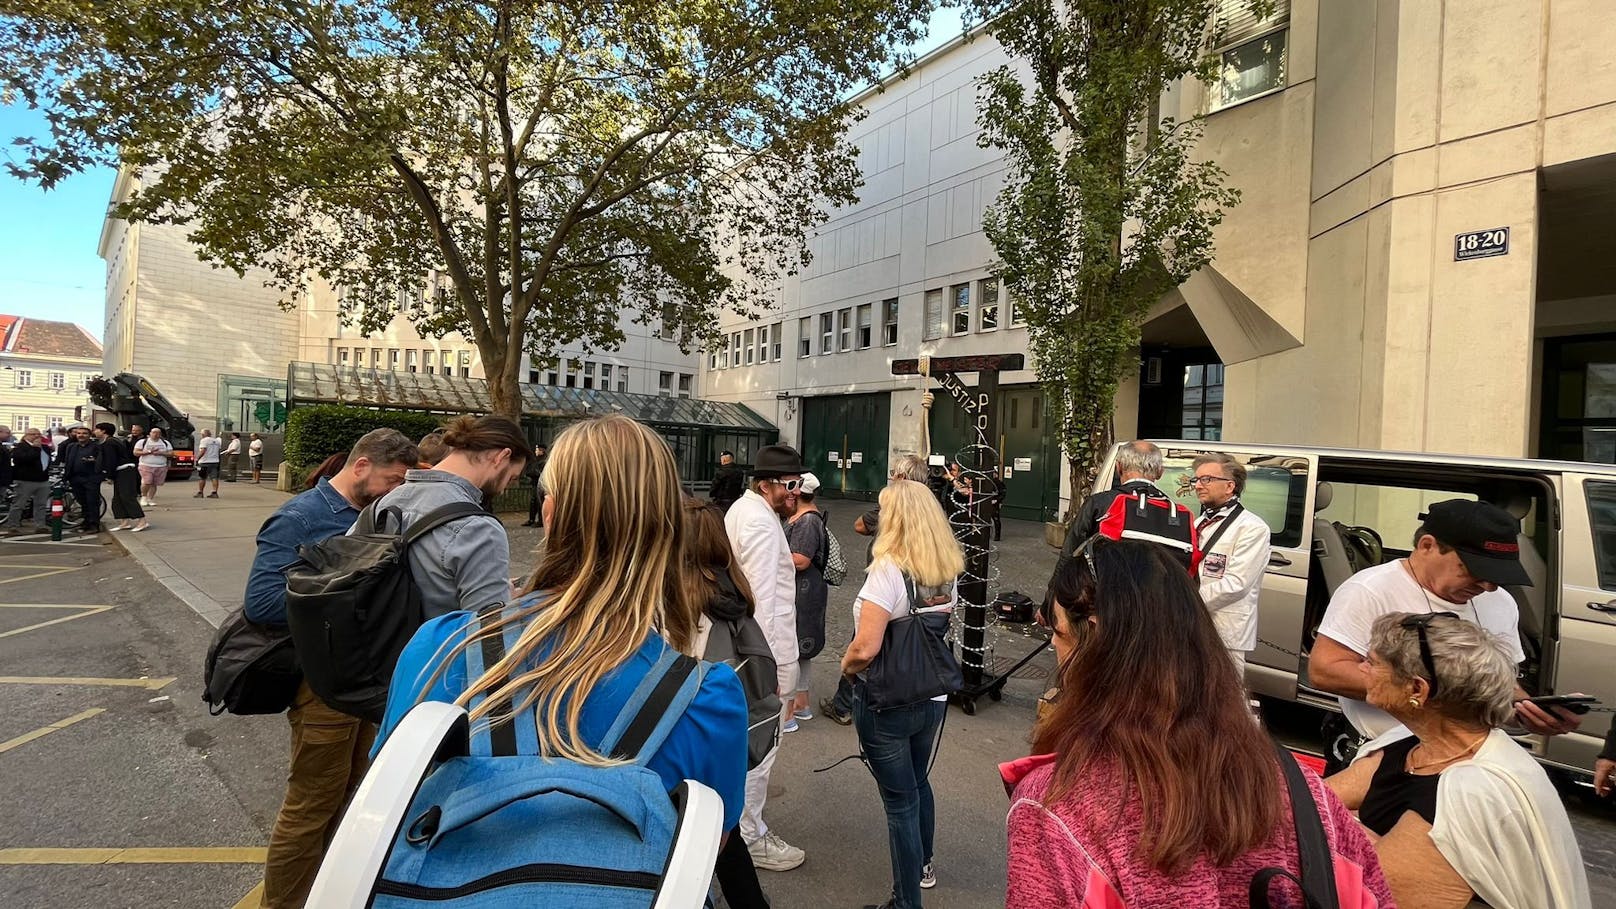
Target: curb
{"points": [[212, 611]]}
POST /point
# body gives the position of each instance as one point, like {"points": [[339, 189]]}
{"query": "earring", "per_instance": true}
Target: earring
{"points": [[1414, 702]]}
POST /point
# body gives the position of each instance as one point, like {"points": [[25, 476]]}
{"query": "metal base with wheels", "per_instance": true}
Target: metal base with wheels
{"points": [[992, 687]]}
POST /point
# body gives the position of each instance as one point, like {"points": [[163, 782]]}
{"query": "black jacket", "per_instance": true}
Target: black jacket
{"points": [[5, 464], [115, 453], [83, 459], [25, 464], [728, 484], [1089, 515], [534, 471]]}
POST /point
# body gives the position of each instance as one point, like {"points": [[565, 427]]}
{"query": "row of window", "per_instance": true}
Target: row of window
{"points": [[956, 310], [576, 374], [21, 423], [431, 362], [55, 381]]}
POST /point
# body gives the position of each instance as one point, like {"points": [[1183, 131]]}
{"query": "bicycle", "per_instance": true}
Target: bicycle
{"points": [[72, 509]]}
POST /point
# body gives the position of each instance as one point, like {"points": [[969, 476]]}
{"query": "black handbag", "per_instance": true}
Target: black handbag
{"points": [[1317, 881], [250, 668], [916, 662]]}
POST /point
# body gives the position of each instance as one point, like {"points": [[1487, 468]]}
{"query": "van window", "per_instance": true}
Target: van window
{"points": [[1276, 489], [1392, 512], [1602, 514]]}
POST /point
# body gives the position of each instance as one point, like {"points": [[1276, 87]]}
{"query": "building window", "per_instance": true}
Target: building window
{"points": [[746, 345], [774, 335], [987, 305], [82, 382], [961, 295], [25, 378], [622, 378], [55, 423], [735, 349], [1013, 315], [20, 423], [58, 381], [448, 362], [866, 313], [532, 376], [409, 360], [805, 336], [375, 358], [1203, 402], [551, 378], [664, 384], [1250, 52], [392, 359], [712, 360], [342, 357], [827, 333], [936, 318], [569, 372], [844, 328], [685, 382], [589, 374], [606, 377], [889, 322], [465, 364], [763, 344]]}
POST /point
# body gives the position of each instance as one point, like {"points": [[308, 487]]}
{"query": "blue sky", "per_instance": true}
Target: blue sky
{"points": [[48, 265]]}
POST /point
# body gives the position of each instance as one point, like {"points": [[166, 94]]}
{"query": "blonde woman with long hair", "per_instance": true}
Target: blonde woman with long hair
{"points": [[916, 564], [589, 620]]}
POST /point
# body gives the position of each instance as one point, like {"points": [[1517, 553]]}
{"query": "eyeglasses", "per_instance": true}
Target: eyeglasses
{"points": [[1419, 623], [1046, 609], [1203, 479], [790, 485]]}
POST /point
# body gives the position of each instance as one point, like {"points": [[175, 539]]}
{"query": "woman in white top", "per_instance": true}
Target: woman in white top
{"points": [[154, 452], [1458, 809], [916, 561]]}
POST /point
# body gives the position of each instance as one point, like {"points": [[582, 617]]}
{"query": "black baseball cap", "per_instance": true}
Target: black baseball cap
{"points": [[1486, 537]]}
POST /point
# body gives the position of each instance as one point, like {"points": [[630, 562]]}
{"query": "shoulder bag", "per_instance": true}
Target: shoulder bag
{"points": [[916, 662]]}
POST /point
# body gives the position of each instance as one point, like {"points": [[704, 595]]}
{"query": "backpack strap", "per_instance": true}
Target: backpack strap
{"points": [[1312, 845], [519, 735], [651, 712], [437, 517]]}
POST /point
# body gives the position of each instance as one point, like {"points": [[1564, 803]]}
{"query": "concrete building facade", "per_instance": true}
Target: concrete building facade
{"points": [[1422, 258]]}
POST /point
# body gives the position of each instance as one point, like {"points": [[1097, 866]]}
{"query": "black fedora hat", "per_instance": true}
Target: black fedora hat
{"points": [[777, 461]]}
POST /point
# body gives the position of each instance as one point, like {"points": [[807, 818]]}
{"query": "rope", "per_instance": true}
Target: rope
{"points": [[926, 399]]}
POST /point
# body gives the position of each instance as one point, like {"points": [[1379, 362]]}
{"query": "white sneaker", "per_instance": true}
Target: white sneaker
{"points": [[143, 501], [774, 854], [928, 877]]}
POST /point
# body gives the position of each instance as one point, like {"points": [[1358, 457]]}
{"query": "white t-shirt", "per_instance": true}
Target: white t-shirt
{"points": [[884, 586], [1383, 589], [210, 451], [256, 449], [153, 454], [235, 447]]}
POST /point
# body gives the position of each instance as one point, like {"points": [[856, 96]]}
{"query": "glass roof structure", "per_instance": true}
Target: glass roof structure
{"points": [[323, 383]]}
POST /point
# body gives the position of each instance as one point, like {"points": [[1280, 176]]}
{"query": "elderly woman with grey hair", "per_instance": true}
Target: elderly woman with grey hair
{"points": [[1458, 810]]}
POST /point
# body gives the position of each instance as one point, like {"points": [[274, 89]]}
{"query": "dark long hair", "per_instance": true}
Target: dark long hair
{"points": [[1150, 688], [707, 555], [330, 467]]}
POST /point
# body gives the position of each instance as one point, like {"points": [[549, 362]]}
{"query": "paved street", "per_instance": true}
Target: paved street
{"points": [[129, 795]]}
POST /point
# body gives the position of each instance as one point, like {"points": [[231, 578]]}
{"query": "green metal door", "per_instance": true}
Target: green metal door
{"points": [[1026, 444], [844, 443]]}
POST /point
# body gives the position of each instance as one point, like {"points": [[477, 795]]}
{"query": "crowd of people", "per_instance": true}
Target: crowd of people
{"points": [[1162, 789]]}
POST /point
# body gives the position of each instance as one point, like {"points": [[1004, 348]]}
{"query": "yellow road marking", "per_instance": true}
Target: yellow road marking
{"points": [[39, 574], [148, 684], [88, 611], [210, 855], [253, 897], [43, 731]]}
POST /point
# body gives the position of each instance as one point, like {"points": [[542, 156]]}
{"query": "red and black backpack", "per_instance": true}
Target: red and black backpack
{"points": [[1151, 516]]}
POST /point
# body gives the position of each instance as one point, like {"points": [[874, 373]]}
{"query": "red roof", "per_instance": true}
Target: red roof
{"points": [[45, 338]]}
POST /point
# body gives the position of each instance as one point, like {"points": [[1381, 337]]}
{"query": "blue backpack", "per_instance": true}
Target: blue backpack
{"points": [[507, 827]]}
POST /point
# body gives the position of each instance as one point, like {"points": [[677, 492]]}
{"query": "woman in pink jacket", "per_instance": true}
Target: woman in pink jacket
{"points": [[1150, 785]]}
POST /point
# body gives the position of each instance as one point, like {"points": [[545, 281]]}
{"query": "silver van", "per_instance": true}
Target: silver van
{"points": [[1335, 511]]}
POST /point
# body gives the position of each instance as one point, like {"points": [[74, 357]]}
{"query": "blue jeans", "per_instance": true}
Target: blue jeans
{"points": [[898, 745]]}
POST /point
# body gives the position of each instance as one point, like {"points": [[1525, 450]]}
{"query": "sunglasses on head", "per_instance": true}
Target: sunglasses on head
{"points": [[1046, 609], [1419, 623]]}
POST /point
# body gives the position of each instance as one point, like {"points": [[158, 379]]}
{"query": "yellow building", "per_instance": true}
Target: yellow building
{"points": [[43, 369]]}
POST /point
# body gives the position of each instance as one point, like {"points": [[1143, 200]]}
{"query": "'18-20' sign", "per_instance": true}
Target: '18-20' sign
{"points": [[1479, 244]]}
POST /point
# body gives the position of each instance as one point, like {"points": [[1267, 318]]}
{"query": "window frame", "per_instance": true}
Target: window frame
{"points": [[777, 344], [934, 328], [748, 346], [983, 307], [827, 333], [1279, 21], [56, 381], [805, 337], [25, 378], [686, 386], [955, 310], [665, 383], [890, 309], [844, 329]]}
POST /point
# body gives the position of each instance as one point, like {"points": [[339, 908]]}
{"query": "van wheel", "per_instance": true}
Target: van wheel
{"points": [[1341, 742]]}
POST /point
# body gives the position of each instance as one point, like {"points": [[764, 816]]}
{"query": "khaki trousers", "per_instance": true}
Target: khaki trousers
{"points": [[330, 752]]}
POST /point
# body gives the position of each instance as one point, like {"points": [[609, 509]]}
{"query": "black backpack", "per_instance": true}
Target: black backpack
{"points": [[741, 645], [250, 668], [352, 605], [1155, 518]]}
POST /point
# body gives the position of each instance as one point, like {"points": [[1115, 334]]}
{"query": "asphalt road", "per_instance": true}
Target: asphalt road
{"points": [[124, 792]]}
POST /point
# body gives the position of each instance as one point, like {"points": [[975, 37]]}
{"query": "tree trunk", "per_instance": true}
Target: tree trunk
{"points": [[503, 390]]}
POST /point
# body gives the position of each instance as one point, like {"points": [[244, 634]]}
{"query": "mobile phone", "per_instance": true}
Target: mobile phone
{"points": [[1576, 703]]}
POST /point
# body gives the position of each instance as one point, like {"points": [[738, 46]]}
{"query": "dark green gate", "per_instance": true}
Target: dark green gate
{"points": [[1026, 442], [844, 443]]}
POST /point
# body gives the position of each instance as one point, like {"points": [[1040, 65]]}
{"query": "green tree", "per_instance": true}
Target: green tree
{"points": [[520, 172], [1104, 208]]}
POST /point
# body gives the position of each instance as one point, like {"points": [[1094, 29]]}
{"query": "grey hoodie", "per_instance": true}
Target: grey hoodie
{"points": [[464, 564]]}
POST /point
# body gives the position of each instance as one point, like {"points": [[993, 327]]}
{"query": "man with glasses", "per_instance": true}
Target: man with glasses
{"points": [[758, 539], [1464, 551], [1234, 546]]}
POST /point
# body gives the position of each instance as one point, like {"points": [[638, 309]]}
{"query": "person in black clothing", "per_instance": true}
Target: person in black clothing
{"points": [[6, 443], [1139, 466], [729, 482], [534, 474], [118, 464], [82, 459], [30, 465]]}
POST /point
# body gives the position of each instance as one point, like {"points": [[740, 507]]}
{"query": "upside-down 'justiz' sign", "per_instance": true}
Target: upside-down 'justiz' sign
{"points": [[1480, 244]]}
